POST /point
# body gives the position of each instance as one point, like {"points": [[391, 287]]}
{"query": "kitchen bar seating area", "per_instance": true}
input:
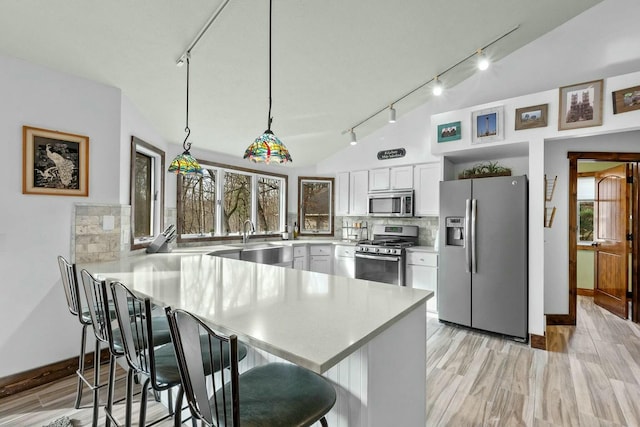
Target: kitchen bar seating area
{"points": [[337, 327]]}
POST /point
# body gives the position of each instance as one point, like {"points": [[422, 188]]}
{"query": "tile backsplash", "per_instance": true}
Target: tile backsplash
{"points": [[101, 232], [356, 228]]}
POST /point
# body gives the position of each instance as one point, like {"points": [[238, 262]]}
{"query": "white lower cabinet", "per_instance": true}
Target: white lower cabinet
{"points": [[320, 258], [300, 258], [422, 273], [344, 261]]}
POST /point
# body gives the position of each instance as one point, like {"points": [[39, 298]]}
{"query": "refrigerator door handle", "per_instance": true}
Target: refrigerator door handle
{"points": [[474, 213], [467, 234]]}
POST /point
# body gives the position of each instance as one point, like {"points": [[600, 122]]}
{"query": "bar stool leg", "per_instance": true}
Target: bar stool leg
{"points": [[80, 372], [96, 383], [111, 385]]}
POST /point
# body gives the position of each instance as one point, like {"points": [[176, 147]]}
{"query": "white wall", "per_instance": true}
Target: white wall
{"points": [[37, 328]]}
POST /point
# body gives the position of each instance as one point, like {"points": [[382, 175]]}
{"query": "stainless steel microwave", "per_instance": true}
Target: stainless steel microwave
{"points": [[395, 204]]}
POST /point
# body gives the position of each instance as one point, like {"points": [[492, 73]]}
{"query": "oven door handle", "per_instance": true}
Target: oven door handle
{"points": [[383, 258]]}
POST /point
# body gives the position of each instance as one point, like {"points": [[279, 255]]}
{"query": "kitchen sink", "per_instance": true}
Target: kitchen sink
{"points": [[262, 253]]}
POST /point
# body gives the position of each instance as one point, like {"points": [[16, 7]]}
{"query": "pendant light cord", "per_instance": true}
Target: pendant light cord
{"points": [[187, 145], [269, 119]]}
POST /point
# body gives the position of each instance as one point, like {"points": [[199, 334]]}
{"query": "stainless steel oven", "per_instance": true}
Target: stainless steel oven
{"points": [[383, 258], [381, 268]]}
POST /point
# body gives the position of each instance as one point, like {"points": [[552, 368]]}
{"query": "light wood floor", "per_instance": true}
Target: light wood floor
{"points": [[591, 377]]}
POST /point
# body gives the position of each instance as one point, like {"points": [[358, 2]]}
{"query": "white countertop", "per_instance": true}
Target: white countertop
{"points": [[311, 319]]}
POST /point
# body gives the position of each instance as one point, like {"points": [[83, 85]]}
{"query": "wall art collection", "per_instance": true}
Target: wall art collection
{"points": [[579, 106]]}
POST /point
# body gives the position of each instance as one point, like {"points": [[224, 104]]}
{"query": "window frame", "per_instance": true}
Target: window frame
{"points": [[221, 169], [579, 202], [331, 214], [158, 185]]}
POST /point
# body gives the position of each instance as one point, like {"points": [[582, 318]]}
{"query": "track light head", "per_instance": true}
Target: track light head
{"points": [[352, 134], [483, 61], [392, 114], [438, 88]]}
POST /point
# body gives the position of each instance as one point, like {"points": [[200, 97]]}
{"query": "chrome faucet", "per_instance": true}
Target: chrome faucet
{"points": [[252, 229]]}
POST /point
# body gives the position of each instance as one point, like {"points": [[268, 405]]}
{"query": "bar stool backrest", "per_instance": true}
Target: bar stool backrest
{"points": [[71, 289], [100, 310], [221, 408], [134, 318]]}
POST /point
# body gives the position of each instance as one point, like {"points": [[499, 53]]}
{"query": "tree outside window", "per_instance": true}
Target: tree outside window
{"points": [[146, 192], [269, 204], [218, 204], [315, 213], [586, 206], [198, 202], [237, 201]]}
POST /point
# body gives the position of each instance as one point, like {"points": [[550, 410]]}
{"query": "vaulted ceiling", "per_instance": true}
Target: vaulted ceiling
{"points": [[335, 62]]}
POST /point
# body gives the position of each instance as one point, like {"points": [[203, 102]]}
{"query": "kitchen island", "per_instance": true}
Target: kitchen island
{"points": [[369, 338]]}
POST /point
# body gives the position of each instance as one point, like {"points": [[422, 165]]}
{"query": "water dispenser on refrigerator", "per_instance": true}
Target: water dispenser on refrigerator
{"points": [[455, 231]]}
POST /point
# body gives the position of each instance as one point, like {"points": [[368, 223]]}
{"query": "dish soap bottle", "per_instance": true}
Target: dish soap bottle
{"points": [[295, 230]]}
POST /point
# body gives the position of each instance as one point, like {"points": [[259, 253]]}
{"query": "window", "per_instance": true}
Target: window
{"points": [[586, 204], [315, 211], [146, 193], [198, 201], [217, 205]]}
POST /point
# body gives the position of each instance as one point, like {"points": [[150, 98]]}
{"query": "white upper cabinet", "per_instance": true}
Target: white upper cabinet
{"points": [[342, 193], [401, 178], [379, 179], [398, 178], [427, 189], [351, 191], [358, 189]]}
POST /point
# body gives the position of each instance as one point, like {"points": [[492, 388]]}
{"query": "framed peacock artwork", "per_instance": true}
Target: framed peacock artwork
{"points": [[54, 163]]}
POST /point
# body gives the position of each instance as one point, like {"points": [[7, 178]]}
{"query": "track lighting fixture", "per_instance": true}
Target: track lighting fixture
{"points": [[392, 114], [352, 134], [483, 61], [437, 87]]}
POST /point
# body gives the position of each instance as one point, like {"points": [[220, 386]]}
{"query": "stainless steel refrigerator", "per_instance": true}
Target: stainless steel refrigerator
{"points": [[482, 274]]}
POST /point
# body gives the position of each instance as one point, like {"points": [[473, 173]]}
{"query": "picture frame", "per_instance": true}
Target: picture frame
{"points": [[531, 117], [625, 100], [488, 125], [449, 132], [54, 163], [580, 105]]}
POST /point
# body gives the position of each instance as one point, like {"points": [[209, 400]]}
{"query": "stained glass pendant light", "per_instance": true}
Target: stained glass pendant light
{"points": [[267, 147], [185, 163]]}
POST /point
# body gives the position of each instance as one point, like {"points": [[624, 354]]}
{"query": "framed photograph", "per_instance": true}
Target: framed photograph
{"points": [[626, 100], [449, 132], [531, 117], [54, 163], [580, 105], [488, 125]]}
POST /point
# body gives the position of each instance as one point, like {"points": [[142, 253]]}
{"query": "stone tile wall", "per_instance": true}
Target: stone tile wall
{"points": [[93, 237], [100, 232]]}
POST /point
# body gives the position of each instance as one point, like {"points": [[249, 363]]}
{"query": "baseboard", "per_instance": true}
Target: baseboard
{"points": [[560, 319], [538, 341], [45, 374], [585, 292]]}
